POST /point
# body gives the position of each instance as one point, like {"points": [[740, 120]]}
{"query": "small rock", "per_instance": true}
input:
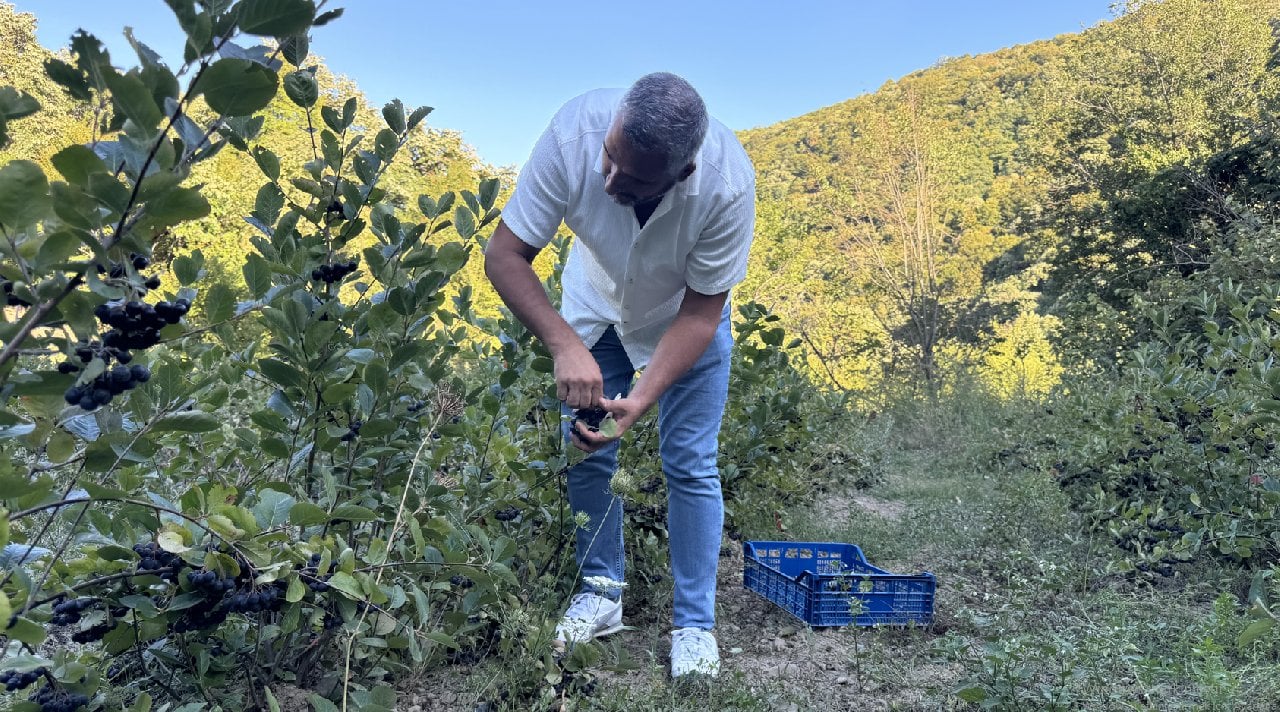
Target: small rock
{"points": [[842, 680], [415, 708], [779, 644], [448, 698], [790, 670]]}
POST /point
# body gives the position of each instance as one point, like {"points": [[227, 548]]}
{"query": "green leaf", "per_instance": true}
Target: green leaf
{"points": [[393, 114], [268, 204], [609, 427], [219, 303], [5, 610], [224, 527], [76, 163], [187, 267], [68, 77], [280, 372], [60, 246], [24, 630], [24, 195], [444, 639], [132, 99], [276, 18], [489, 192], [301, 88], [187, 421], [172, 542], [238, 87], [321, 704], [464, 222], [268, 162], [542, 364], [354, 513], [257, 275], [273, 509], [418, 115], [15, 104], [347, 584], [385, 144], [273, 705], [972, 694], [331, 118], [296, 590], [305, 514], [1254, 631], [295, 49], [178, 205]]}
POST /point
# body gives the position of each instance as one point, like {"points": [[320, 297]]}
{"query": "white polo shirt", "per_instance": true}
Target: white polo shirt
{"points": [[619, 273]]}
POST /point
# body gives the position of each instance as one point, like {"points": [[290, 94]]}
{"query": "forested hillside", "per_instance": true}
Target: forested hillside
{"points": [[967, 215], [438, 160]]}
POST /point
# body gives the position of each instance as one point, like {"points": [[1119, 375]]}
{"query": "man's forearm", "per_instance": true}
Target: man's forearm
{"points": [[518, 285]]}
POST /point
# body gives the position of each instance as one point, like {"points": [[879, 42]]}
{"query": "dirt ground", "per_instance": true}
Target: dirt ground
{"points": [[762, 646]]}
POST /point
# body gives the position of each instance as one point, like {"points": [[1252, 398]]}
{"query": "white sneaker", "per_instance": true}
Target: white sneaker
{"points": [[589, 616], [693, 650]]}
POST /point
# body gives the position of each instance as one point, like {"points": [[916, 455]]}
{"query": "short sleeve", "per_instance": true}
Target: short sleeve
{"points": [[537, 206], [718, 260]]}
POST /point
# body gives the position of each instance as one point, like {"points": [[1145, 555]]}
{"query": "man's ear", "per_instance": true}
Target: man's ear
{"points": [[686, 172]]}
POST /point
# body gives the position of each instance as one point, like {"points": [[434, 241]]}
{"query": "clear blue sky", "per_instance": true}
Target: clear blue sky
{"points": [[497, 70]]}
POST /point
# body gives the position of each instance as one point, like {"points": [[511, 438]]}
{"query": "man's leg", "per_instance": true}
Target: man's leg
{"points": [[599, 544], [689, 416]]}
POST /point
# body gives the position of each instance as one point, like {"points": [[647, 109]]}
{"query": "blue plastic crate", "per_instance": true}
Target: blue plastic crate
{"points": [[816, 581]]}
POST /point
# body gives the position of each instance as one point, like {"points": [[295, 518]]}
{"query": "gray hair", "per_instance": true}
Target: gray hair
{"points": [[662, 113]]}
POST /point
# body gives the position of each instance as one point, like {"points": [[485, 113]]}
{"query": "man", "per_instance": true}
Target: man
{"points": [[661, 202]]}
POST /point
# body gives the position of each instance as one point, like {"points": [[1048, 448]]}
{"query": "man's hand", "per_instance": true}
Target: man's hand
{"points": [[625, 412], [578, 380]]}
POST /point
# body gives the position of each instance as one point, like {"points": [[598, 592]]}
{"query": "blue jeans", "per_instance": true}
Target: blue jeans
{"points": [[689, 416]]}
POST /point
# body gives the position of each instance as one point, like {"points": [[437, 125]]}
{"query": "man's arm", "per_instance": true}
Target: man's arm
{"points": [[508, 263], [679, 348]]}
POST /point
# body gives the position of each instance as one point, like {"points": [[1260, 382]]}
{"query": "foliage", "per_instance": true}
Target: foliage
{"points": [[317, 460], [264, 505]]}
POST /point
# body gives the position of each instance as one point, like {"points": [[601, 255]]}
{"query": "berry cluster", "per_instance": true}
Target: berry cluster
{"points": [[52, 699], [106, 385], [310, 574], [92, 634], [10, 298], [137, 325], [268, 598], [334, 272], [211, 611], [593, 417], [152, 558], [461, 581], [353, 431], [206, 614], [210, 582], [68, 612], [134, 325], [14, 680], [506, 515]]}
